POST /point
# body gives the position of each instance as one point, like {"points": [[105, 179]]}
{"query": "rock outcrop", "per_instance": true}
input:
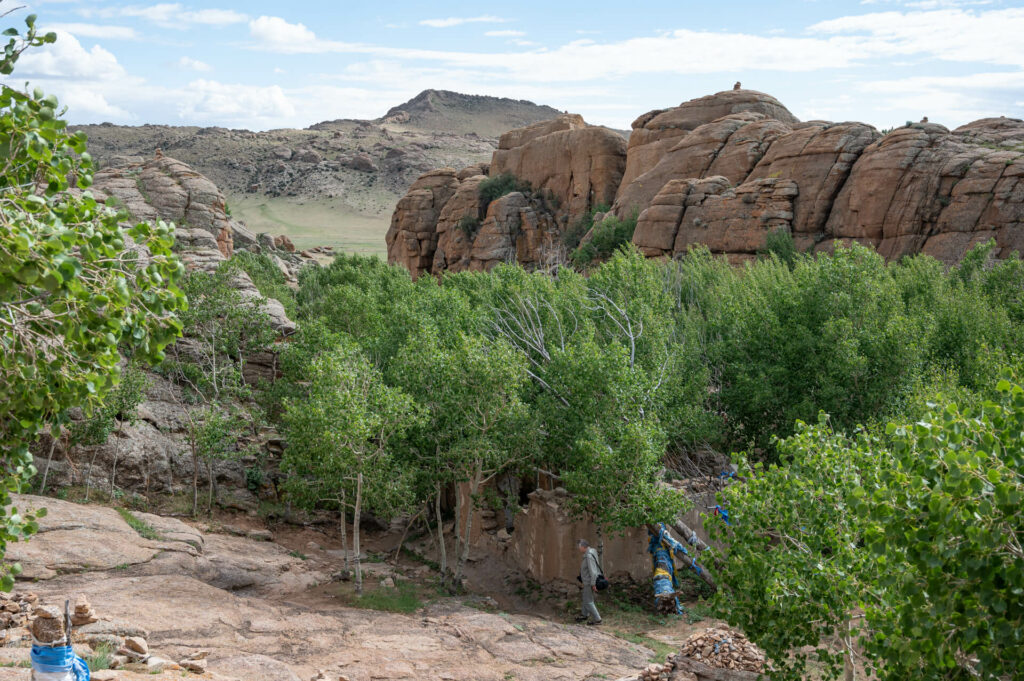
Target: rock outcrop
{"points": [[726, 171]]}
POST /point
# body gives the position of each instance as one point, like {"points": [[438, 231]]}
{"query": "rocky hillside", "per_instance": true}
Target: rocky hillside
{"points": [[352, 170], [725, 170]]}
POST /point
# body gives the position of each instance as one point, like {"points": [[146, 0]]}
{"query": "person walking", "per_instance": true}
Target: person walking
{"points": [[590, 570]]}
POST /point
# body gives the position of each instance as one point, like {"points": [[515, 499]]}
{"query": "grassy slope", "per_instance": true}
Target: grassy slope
{"points": [[313, 223]]}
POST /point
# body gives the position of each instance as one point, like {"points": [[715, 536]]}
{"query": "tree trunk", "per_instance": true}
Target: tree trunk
{"points": [[600, 546], [195, 478], [117, 452], [88, 474], [474, 487], [209, 476], [849, 671], [355, 532], [441, 549], [344, 531], [49, 460]]}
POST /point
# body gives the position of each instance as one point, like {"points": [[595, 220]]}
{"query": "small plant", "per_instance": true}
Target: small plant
{"points": [[145, 530], [575, 233], [101, 658], [780, 243], [495, 187], [469, 226], [298, 554]]}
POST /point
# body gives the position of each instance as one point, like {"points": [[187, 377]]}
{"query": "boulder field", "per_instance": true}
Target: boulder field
{"points": [[725, 170], [256, 612]]}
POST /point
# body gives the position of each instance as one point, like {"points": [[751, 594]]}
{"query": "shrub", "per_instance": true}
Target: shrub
{"points": [[608, 236], [572, 236], [495, 187], [269, 280], [469, 226], [780, 244]]}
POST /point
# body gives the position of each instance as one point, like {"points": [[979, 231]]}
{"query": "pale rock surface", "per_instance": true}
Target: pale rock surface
{"points": [[283, 632]]}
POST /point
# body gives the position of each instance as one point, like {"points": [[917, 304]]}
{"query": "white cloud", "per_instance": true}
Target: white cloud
{"points": [[458, 21], [228, 103], [170, 15], [190, 64], [96, 31], [66, 59], [505, 34], [949, 34], [277, 34]]}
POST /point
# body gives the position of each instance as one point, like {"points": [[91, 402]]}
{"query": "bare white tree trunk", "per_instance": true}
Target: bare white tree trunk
{"points": [[344, 531], [442, 551], [849, 671], [49, 460], [355, 532]]}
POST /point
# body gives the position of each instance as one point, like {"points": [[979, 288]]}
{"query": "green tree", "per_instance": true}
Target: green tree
{"points": [[944, 531], [74, 283], [472, 393], [340, 440]]}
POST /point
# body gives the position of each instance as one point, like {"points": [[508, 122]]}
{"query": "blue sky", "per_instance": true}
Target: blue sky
{"points": [[260, 64]]}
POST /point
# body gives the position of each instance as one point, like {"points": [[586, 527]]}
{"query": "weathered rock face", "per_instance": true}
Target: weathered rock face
{"points": [[580, 167], [412, 237], [730, 221], [922, 189], [726, 171], [655, 132], [163, 188], [730, 147]]}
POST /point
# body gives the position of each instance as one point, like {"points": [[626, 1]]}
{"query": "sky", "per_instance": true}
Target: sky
{"points": [[260, 65]]}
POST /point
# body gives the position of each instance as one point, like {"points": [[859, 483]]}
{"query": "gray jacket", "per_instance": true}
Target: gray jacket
{"points": [[590, 568]]}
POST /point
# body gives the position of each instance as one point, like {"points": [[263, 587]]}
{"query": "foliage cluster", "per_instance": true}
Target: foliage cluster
{"points": [[75, 284], [572, 236], [903, 542], [269, 280], [495, 187], [609, 235]]}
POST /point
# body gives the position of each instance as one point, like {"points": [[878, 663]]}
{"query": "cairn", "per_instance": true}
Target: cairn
{"points": [[84, 614], [714, 647]]}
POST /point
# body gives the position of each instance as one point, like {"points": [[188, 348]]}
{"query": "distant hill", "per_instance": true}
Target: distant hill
{"points": [[443, 110], [332, 175]]}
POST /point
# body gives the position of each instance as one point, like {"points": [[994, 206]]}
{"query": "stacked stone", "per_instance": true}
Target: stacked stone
{"points": [[84, 614], [15, 608], [723, 649], [48, 625], [657, 672]]}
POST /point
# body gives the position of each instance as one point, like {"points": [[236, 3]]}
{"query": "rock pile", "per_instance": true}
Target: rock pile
{"points": [[724, 649], [47, 624], [14, 609], [84, 614], [715, 648]]}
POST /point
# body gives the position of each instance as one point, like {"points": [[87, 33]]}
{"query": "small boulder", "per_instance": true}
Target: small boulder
{"points": [[137, 644]]}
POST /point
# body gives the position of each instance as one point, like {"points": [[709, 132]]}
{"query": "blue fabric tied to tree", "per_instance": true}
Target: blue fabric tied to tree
{"points": [[58, 660]]}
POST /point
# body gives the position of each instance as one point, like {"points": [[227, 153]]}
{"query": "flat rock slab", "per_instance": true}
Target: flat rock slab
{"points": [[78, 538]]}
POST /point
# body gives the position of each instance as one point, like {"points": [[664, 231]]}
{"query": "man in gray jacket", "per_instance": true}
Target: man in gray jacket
{"points": [[590, 568]]}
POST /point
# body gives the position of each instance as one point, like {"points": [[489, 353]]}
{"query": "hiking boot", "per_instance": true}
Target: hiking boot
{"points": [[594, 623], [581, 618]]}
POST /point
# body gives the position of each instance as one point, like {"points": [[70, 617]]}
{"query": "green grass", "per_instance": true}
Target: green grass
{"points": [[145, 530], [298, 554], [24, 664], [101, 658], [660, 648], [403, 598]]}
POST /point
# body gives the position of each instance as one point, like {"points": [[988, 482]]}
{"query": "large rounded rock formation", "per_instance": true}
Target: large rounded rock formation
{"points": [[725, 171]]}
